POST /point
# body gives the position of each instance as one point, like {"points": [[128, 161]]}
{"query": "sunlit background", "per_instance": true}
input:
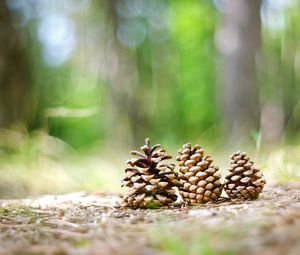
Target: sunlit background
{"points": [[82, 82]]}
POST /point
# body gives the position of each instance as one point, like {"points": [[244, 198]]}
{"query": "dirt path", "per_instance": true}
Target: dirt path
{"points": [[89, 224]]}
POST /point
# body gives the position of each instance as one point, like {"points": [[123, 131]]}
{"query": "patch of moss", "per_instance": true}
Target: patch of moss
{"points": [[153, 205], [81, 243]]}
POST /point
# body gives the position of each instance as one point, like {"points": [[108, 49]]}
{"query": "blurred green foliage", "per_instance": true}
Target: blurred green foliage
{"points": [[147, 68]]}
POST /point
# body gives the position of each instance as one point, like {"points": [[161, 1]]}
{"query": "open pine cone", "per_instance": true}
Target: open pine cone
{"points": [[150, 180], [199, 179], [244, 181]]}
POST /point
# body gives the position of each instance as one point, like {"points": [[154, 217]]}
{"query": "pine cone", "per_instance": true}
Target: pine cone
{"points": [[150, 180], [199, 179], [244, 181]]}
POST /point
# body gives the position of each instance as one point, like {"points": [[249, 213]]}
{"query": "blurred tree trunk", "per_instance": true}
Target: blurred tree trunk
{"points": [[14, 73], [239, 41], [127, 119]]}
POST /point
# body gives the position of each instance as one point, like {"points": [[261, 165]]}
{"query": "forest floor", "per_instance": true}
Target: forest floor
{"points": [[80, 223]]}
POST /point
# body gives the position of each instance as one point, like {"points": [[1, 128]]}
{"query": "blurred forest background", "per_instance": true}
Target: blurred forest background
{"points": [[84, 81]]}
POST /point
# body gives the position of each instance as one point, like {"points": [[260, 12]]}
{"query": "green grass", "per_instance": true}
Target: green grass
{"points": [[32, 164], [186, 242]]}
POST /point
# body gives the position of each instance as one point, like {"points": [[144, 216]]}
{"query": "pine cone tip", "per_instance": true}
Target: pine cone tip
{"points": [[147, 141]]}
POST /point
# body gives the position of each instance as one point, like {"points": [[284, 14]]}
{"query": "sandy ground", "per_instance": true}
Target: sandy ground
{"points": [[80, 223]]}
